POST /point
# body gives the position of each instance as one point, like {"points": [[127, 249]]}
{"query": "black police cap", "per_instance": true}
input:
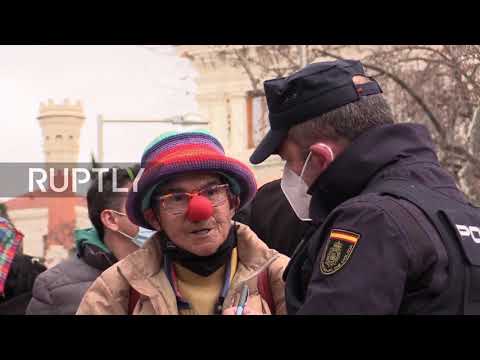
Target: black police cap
{"points": [[316, 89]]}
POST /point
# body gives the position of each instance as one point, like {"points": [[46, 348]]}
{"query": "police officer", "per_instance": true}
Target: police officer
{"points": [[393, 234]]}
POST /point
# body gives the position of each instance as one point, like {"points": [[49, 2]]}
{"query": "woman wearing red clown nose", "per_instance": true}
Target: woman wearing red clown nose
{"points": [[199, 208], [199, 261]]}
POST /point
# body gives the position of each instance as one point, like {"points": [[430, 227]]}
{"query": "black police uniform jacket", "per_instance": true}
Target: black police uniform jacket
{"points": [[375, 253]]}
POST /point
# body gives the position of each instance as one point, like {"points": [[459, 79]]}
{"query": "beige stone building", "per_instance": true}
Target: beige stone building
{"points": [[46, 219], [61, 125], [235, 115]]}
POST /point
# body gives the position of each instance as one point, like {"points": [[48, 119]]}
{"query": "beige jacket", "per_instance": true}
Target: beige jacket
{"points": [[143, 270]]}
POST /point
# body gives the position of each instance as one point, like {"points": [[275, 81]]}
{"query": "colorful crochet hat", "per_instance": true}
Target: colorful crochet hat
{"points": [[9, 241], [175, 153]]}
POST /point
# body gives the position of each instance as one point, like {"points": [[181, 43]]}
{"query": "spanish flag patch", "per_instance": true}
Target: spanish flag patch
{"points": [[337, 250]]}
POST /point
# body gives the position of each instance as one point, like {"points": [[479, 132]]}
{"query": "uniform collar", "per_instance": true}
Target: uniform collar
{"points": [[369, 153]]}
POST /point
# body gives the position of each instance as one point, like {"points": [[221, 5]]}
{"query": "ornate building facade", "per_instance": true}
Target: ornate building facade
{"points": [[48, 219], [236, 115]]}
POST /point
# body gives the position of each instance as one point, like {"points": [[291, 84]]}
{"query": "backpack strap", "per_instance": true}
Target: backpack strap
{"points": [[133, 297], [263, 285]]}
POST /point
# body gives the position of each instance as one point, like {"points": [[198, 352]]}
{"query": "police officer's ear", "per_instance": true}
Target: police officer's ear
{"points": [[322, 156]]}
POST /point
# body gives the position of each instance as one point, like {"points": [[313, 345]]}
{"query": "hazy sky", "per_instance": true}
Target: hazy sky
{"points": [[121, 82]]}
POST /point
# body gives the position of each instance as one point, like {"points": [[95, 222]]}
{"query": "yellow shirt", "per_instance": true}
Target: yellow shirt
{"points": [[202, 292]]}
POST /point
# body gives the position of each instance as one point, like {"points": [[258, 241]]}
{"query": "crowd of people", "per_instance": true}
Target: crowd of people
{"points": [[363, 221]]}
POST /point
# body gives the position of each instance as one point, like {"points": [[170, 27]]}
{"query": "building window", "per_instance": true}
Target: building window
{"points": [[58, 137], [257, 118]]}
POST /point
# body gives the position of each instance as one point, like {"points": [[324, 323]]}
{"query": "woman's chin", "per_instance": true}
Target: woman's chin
{"points": [[205, 245], [205, 249]]}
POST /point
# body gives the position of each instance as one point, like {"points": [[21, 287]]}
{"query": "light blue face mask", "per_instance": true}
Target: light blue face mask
{"points": [[142, 236]]}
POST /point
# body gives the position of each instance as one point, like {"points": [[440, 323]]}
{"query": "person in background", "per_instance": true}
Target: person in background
{"points": [[59, 290], [17, 271]]}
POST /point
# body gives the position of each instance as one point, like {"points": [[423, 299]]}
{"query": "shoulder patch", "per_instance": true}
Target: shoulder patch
{"points": [[337, 251]]}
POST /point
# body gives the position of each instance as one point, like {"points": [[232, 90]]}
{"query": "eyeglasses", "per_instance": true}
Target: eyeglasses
{"points": [[177, 203], [117, 212]]}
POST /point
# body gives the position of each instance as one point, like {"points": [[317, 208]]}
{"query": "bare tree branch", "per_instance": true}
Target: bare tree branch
{"points": [[406, 87], [244, 63]]}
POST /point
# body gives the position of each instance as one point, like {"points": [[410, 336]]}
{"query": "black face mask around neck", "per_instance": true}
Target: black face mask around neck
{"points": [[201, 265]]}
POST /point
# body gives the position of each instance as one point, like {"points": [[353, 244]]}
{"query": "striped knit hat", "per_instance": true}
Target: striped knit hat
{"points": [[9, 240], [175, 153]]}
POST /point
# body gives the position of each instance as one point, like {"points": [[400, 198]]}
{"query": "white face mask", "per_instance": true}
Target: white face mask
{"points": [[142, 235], [295, 190]]}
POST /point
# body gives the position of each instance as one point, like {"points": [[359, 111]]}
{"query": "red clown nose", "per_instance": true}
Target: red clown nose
{"points": [[199, 208]]}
